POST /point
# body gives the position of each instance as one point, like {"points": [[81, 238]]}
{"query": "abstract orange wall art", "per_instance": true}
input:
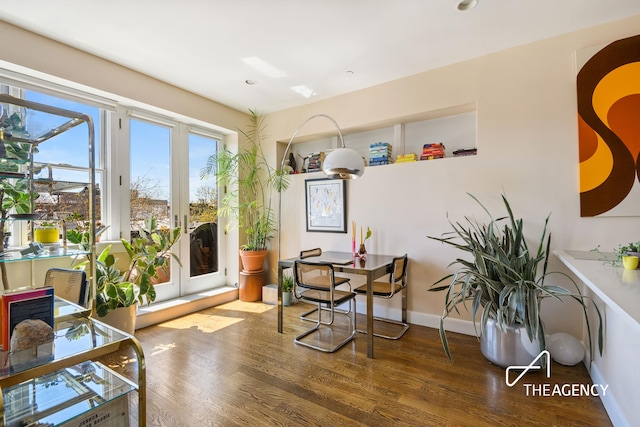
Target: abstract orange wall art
{"points": [[608, 89]]}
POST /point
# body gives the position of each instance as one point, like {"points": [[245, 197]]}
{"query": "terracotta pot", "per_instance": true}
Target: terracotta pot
{"points": [[253, 261]]}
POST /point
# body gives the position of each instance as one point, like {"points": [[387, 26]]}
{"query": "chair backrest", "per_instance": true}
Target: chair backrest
{"points": [[310, 252], [399, 270], [69, 284], [313, 275]]}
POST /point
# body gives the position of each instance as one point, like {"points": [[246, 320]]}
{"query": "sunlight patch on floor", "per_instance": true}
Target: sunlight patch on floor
{"points": [[247, 307], [162, 348], [204, 322]]}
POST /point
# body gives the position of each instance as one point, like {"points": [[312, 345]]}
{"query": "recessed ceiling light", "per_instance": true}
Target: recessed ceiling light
{"points": [[250, 82], [467, 4], [263, 67], [349, 72]]}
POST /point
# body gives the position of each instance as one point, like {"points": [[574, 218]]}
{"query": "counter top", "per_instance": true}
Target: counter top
{"points": [[617, 287]]}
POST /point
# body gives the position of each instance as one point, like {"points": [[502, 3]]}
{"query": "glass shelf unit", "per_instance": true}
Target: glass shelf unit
{"points": [[25, 127], [69, 393], [59, 382], [13, 254], [76, 344]]}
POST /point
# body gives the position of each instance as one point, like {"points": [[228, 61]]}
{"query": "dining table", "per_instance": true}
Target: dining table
{"points": [[373, 266]]}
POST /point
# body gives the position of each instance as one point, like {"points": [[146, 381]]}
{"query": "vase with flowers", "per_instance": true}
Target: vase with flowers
{"points": [[362, 252]]}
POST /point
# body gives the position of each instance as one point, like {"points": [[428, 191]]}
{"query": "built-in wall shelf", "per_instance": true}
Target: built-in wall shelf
{"points": [[617, 287], [455, 127]]}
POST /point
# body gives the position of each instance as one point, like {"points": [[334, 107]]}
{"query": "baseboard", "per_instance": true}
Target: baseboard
{"points": [[174, 308], [609, 400], [450, 324]]}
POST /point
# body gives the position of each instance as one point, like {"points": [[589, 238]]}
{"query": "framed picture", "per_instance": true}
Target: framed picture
{"points": [[326, 208]]}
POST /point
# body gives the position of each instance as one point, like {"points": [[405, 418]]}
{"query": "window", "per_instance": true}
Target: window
{"points": [[157, 159], [61, 163], [166, 158], [150, 166]]}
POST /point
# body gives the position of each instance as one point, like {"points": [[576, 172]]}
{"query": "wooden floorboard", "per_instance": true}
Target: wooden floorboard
{"points": [[228, 366]]}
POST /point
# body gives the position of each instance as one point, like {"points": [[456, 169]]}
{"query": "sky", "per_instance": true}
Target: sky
{"points": [[150, 148]]}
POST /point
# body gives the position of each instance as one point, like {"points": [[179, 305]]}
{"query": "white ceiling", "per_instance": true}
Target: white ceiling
{"points": [[330, 46]]}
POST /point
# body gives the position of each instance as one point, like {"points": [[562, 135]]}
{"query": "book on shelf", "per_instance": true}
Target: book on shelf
{"points": [[379, 145], [380, 153], [405, 158], [465, 152], [314, 161], [432, 151], [16, 306], [379, 162]]}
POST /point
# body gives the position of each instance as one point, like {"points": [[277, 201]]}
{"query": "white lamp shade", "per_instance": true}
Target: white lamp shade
{"points": [[343, 163]]}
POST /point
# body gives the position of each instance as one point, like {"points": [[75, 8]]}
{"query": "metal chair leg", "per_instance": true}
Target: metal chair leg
{"points": [[319, 323], [403, 322]]}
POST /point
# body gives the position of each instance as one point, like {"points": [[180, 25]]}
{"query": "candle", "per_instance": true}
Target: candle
{"points": [[353, 237], [360, 235]]}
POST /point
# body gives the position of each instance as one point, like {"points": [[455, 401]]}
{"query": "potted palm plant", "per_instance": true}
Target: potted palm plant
{"points": [[250, 181], [505, 287]]}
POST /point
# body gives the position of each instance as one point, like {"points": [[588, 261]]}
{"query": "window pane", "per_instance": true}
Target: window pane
{"points": [[61, 166], [150, 174], [70, 147], [203, 201]]}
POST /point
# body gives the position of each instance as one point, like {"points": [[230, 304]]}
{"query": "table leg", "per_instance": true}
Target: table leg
{"points": [[370, 315], [280, 299]]}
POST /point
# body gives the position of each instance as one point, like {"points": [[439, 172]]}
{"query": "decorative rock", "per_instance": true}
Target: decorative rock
{"points": [[565, 348], [30, 333]]}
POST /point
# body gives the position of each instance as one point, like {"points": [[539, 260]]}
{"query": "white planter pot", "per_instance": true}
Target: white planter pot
{"points": [[286, 298], [510, 348]]}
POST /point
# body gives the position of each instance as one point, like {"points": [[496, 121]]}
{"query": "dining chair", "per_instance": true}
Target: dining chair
{"points": [[310, 252], [397, 283], [69, 284], [339, 280], [315, 283]]}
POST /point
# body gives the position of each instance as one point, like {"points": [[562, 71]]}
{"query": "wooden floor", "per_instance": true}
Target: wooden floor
{"points": [[228, 366]]}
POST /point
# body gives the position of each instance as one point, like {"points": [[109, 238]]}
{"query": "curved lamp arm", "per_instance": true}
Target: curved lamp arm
{"points": [[341, 163]]}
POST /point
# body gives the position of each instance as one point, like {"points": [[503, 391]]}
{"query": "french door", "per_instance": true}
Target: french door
{"points": [[166, 159]]}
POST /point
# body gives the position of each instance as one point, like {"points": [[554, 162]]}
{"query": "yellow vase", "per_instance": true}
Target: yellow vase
{"points": [[46, 235]]}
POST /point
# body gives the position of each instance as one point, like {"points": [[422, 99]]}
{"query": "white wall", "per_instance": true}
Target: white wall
{"points": [[527, 149], [527, 145]]}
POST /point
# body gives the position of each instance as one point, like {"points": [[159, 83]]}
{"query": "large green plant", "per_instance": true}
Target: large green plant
{"points": [[501, 278], [249, 181], [148, 254]]}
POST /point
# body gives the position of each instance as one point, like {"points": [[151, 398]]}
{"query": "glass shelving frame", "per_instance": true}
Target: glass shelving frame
{"points": [[76, 342]]}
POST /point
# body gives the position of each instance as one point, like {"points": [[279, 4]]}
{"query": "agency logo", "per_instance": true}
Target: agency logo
{"points": [[533, 366], [548, 389]]}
